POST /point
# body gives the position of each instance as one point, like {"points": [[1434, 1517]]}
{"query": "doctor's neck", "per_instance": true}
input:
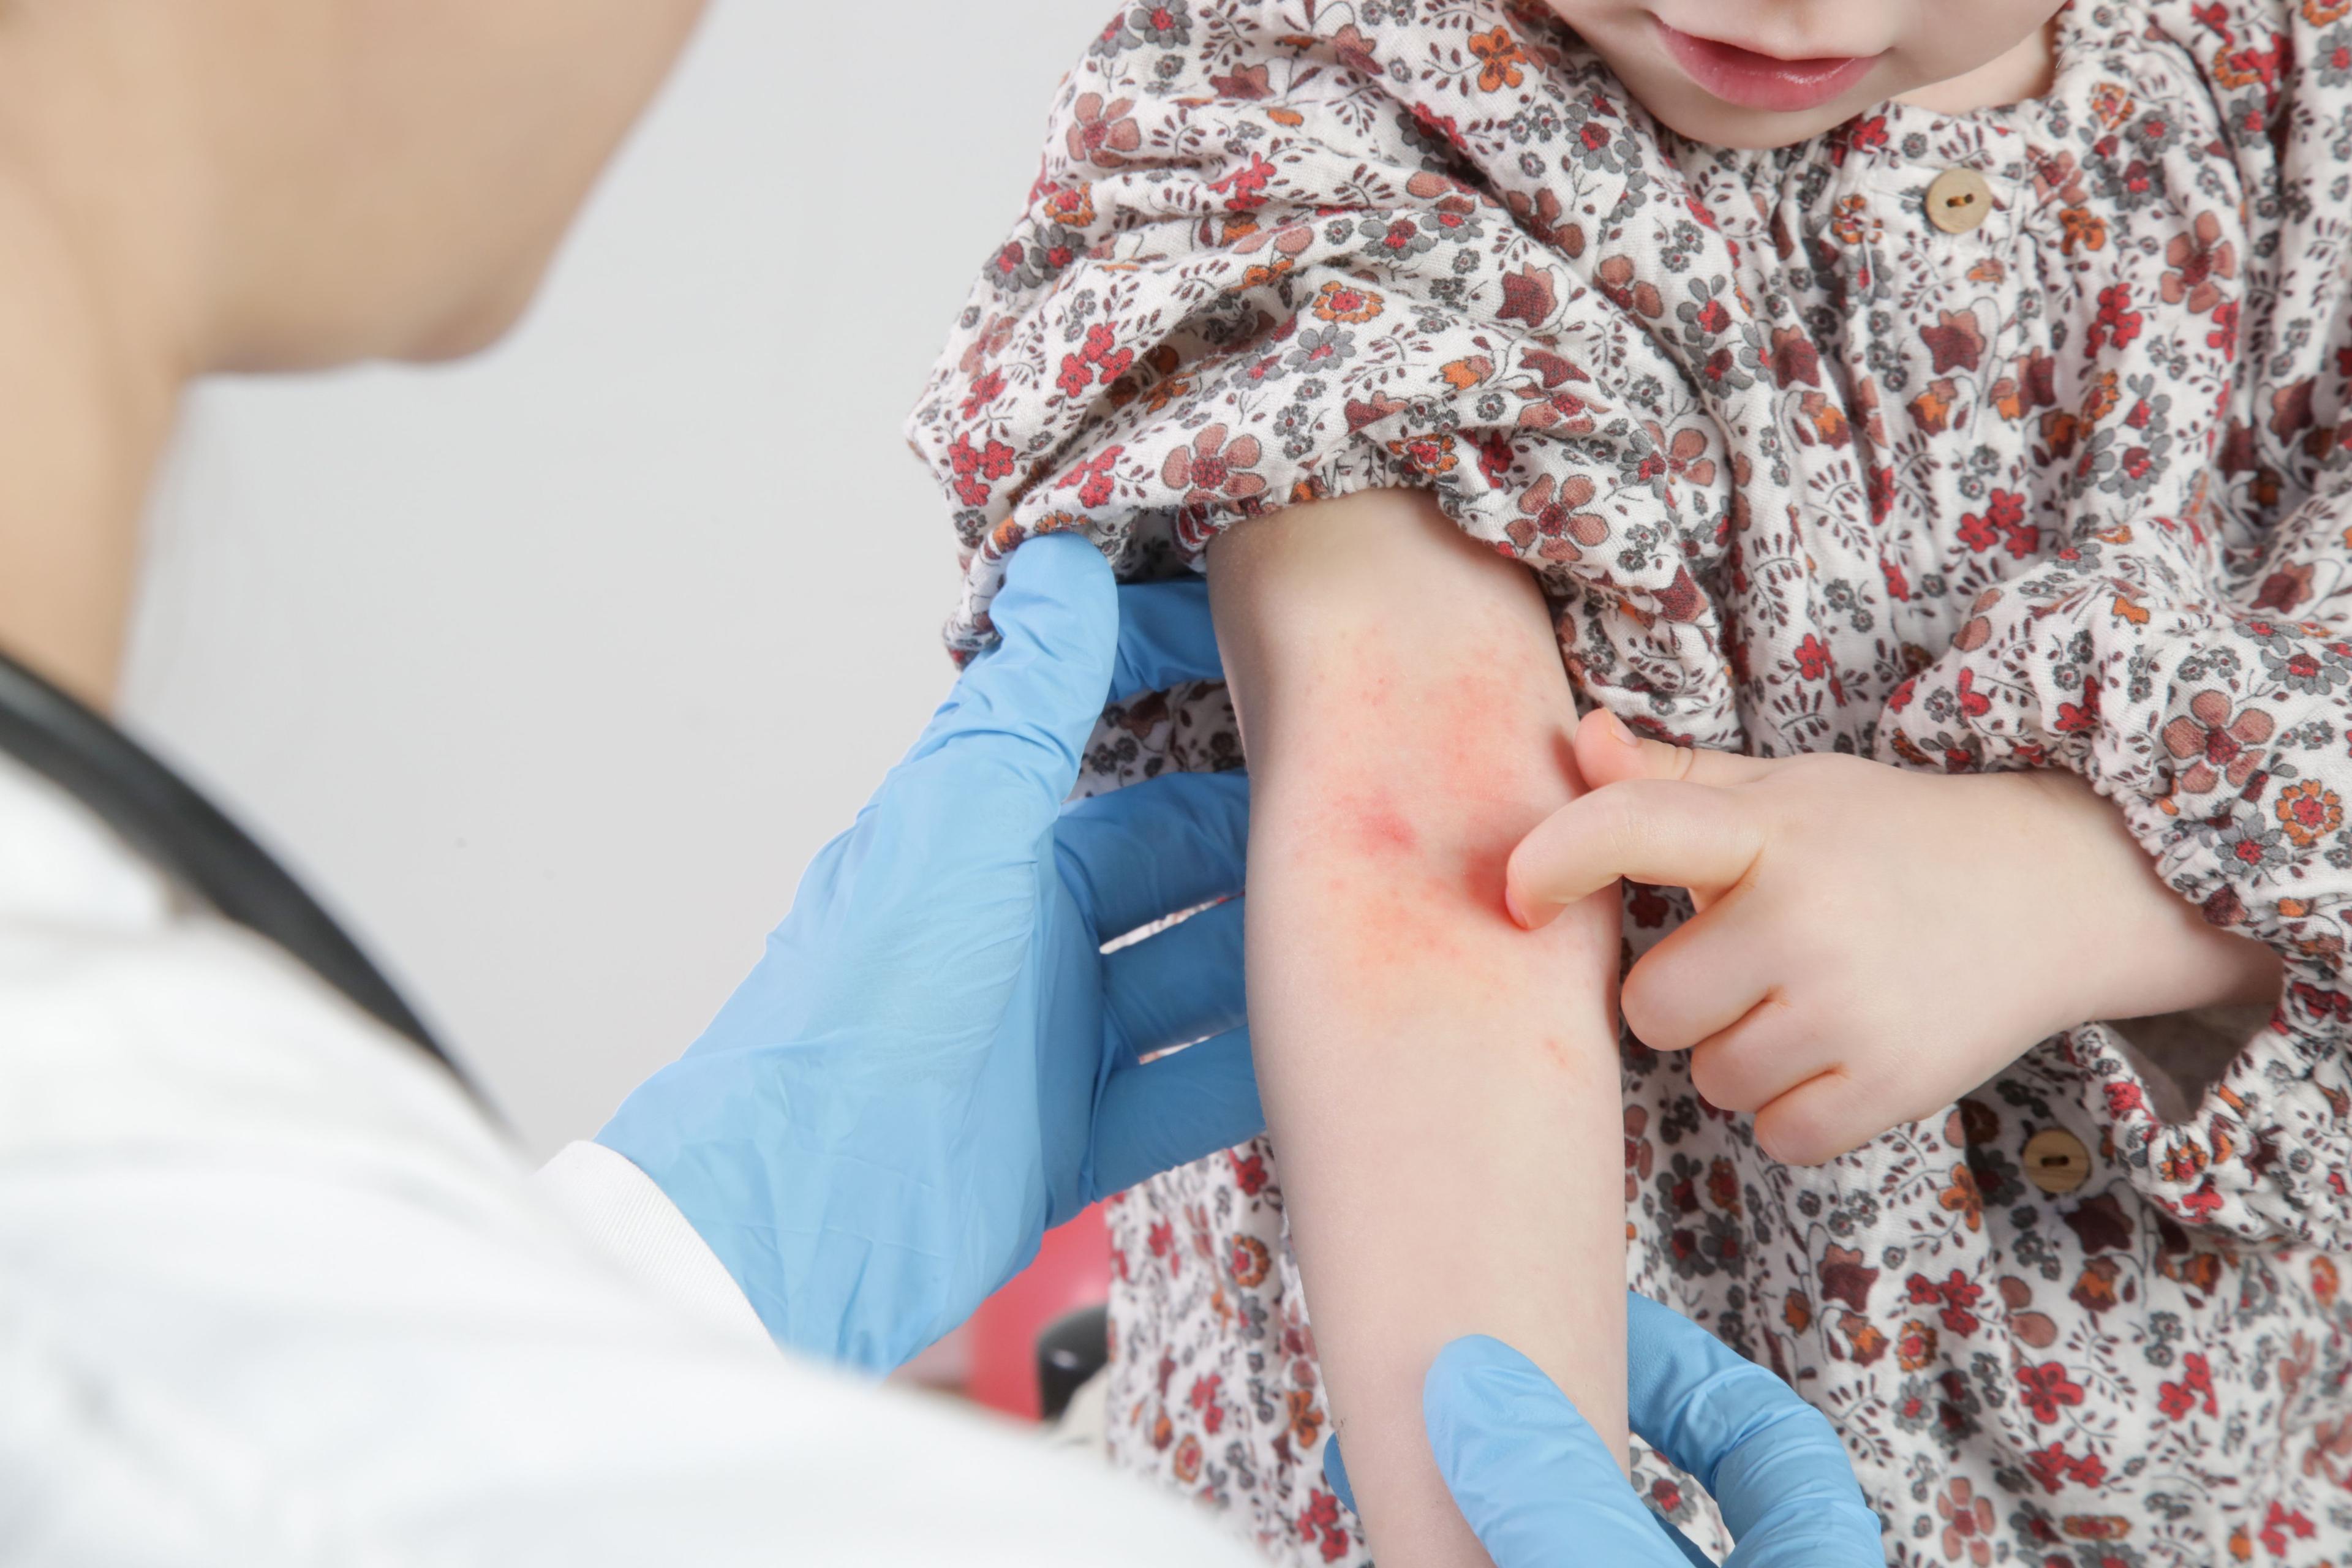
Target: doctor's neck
{"points": [[90, 373]]}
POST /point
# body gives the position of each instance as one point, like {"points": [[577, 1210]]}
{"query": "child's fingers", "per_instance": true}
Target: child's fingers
{"points": [[1822, 1118], [1668, 832], [1703, 978], [1757, 1058], [1608, 753]]}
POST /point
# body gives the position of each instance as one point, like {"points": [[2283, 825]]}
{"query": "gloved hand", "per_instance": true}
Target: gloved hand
{"points": [[1540, 1489], [935, 1061]]}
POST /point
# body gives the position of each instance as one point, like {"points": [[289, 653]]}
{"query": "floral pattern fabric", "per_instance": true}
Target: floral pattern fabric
{"points": [[1798, 471]]}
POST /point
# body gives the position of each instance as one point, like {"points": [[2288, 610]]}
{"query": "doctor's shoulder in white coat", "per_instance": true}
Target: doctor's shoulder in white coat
{"points": [[273, 1290]]}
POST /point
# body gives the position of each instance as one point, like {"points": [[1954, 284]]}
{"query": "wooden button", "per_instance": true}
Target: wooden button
{"points": [[2056, 1162], [1958, 201]]}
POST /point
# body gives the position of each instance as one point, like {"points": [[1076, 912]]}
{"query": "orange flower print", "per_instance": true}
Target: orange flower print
{"points": [[1187, 1461], [2219, 746], [1072, 206], [1959, 1197], [1932, 409], [1343, 301], [2320, 13], [2112, 103], [1915, 1346], [2309, 811], [1428, 455], [1104, 134], [1248, 1261], [1499, 57], [2080, 228], [1305, 1418], [1856, 221], [1212, 469], [1868, 1340], [1968, 1522]]}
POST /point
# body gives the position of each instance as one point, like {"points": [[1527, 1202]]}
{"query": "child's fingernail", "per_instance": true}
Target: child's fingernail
{"points": [[1518, 916], [1614, 727]]}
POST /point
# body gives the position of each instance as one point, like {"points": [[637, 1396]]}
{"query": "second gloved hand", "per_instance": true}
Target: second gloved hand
{"points": [[1540, 1489], [935, 1061]]}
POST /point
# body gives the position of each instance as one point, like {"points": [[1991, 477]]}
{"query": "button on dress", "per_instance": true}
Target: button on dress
{"points": [[2014, 439]]}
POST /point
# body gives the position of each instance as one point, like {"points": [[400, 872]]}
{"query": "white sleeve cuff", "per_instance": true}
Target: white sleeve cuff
{"points": [[620, 1208]]}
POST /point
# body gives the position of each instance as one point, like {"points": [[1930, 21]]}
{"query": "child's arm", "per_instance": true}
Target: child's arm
{"points": [[1442, 1086]]}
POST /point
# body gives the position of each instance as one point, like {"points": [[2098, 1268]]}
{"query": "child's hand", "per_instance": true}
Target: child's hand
{"points": [[1871, 943]]}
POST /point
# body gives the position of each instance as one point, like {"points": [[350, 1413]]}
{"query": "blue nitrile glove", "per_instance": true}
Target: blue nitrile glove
{"points": [[935, 1062], [1540, 1489]]}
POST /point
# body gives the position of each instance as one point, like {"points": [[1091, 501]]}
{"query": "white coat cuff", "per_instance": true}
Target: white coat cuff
{"points": [[619, 1208]]}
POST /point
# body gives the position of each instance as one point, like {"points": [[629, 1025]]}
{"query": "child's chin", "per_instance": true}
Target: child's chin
{"points": [[1721, 125]]}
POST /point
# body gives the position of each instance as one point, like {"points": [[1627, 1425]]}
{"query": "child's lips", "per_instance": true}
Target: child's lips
{"points": [[1754, 80]]}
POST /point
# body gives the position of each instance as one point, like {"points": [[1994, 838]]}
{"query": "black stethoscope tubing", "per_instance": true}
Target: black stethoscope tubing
{"points": [[163, 817]]}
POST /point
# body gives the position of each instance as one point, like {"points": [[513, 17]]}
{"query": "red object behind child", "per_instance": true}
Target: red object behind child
{"points": [[1071, 1269]]}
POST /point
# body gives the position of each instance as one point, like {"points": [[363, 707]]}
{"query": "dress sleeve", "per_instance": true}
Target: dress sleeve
{"points": [[2219, 724], [1275, 261]]}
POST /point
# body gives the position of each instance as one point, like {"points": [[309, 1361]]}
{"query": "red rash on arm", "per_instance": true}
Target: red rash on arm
{"points": [[1441, 1085]]}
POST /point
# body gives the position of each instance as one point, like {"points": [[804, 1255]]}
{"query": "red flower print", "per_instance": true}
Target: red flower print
{"points": [[1975, 704], [1812, 657], [1956, 1295], [1093, 478], [2043, 1389], [1245, 188], [2081, 717], [984, 391], [2279, 1524], [2117, 321], [974, 468], [2218, 744], [2194, 1389]]}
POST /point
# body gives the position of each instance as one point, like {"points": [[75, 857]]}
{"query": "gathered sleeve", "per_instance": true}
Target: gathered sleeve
{"points": [[1266, 269], [2219, 726]]}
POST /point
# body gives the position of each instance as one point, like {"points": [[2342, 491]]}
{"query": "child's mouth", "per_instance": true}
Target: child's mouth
{"points": [[1754, 80]]}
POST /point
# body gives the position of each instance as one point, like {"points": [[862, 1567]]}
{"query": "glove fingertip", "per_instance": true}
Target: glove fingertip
{"points": [[1335, 1472]]}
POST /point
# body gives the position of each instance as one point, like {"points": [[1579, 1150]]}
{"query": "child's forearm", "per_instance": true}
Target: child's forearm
{"points": [[1442, 1086]]}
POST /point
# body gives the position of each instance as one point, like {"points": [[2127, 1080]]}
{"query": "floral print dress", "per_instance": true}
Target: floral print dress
{"points": [[1799, 471]]}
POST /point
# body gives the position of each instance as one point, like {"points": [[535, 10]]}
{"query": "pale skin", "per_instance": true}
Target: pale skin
{"points": [[1442, 1085], [198, 185], [1444, 1100]]}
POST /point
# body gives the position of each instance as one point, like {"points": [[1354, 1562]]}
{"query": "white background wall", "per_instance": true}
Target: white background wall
{"points": [[551, 670]]}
